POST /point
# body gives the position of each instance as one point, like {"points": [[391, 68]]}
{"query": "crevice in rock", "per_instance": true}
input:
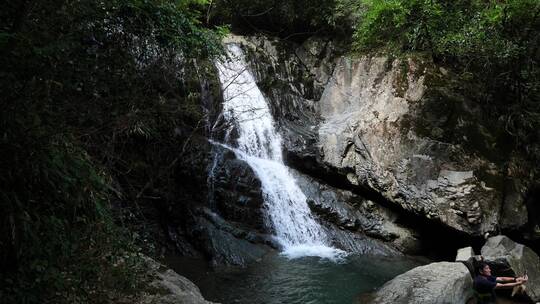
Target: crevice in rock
{"points": [[529, 235], [533, 210]]}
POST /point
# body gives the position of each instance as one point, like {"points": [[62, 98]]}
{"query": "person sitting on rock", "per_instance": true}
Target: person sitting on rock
{"points": [[485, 284]]}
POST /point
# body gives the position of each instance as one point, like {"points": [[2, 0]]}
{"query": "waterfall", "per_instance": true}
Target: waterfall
{"points": [[259, 144]]}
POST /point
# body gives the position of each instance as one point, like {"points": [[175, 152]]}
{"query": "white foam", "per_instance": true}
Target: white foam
{"points": [[316, 250]]}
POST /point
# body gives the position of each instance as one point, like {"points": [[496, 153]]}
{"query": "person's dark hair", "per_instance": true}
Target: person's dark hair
{"points": [[480, 266]]}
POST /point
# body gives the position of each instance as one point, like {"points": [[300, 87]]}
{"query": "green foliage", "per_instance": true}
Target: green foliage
{"points": [[492, 45], [83, 85], [60, 240], [294, 20]]}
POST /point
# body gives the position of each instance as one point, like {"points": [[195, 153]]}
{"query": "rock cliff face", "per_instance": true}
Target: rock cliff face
{"points": [[371, 111], [396, 128]]}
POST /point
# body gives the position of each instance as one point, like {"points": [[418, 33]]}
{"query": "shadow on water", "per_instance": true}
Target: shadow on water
{"points": [[307, 280]]}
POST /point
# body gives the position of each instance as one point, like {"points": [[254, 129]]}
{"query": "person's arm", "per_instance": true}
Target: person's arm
{"points": [[506, 279], [522, 279], [508, 285]]}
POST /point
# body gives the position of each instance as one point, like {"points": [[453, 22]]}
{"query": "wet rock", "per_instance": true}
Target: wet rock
{"points": [[509, 258], [236, 190], [441, 283], [358, 243], [228, 243]]}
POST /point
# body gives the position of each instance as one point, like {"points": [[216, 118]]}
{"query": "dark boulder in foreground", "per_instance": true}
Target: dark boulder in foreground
{"points": [[168, 287]]}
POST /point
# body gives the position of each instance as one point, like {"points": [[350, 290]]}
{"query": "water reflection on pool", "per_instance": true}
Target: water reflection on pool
{"points": [[278, 280]]}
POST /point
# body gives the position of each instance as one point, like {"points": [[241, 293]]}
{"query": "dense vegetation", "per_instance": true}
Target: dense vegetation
{"points": [[84, 85], [290, 20], [493, 46]]}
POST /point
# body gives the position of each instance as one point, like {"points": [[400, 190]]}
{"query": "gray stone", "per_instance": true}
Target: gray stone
{"points": [[464, 254], [228, 242], [440, 283], [358, 243], [169, 288], [503, 253]]}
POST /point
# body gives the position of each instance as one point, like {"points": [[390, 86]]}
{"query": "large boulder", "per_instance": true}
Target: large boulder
{"points": [[509, 258], [440, 283], [168, 287], [226, 242]]}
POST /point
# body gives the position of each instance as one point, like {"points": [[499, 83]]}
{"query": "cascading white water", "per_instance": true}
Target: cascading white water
{"points": [[260, 146]]}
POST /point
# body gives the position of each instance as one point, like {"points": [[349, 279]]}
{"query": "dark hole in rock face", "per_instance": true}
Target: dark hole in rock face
{"points": [[532, 201], [529, 235], [440, 242]]}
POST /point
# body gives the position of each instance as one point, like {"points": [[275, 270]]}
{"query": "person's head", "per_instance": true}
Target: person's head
{"points": [[483, 269]]}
